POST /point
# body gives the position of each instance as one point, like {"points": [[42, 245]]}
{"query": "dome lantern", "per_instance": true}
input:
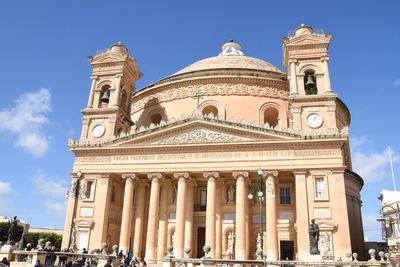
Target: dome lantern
{"points": [[231, 49]]}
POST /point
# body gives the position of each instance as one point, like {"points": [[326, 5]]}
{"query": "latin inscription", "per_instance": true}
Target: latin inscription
{"points": [[278, 154]]}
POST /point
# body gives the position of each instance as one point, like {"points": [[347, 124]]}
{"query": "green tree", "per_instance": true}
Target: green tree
{"points": [[33, 238]]}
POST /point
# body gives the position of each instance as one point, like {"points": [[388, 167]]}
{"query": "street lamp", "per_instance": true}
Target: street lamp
{"points": [[77, 192], [258, 188]]}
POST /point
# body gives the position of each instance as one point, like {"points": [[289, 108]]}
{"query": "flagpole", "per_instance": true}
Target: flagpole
{"points": [[391, 167]]}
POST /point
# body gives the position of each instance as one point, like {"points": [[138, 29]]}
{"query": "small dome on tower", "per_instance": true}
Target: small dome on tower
{"points": [[118, 48], [231, 49], [303, 29]]}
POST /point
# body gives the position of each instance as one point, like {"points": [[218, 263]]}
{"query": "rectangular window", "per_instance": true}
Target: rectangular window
{"points": [[319, 188], [203, 199], [284, 193], [89, 189]]}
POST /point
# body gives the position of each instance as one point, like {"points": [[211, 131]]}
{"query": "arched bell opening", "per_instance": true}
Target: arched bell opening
{"points": [[310, 83], [104, 96]]}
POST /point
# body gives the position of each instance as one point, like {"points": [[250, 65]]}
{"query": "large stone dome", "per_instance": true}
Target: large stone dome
{"points": [[230, 62]]}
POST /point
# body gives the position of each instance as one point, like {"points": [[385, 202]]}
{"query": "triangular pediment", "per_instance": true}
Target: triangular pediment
{"points": [[107, 58], [309, 39], [201, 132]]}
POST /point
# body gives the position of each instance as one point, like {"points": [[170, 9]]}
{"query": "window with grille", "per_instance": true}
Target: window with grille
{"points": [[319, 188], [285, 195]]}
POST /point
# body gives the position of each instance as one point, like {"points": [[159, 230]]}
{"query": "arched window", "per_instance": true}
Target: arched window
{"points": [[310, 83], [271, 116], [155, 118], [210, 109], [104, 96]]}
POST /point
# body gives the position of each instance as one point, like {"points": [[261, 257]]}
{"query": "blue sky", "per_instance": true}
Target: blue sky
{"points": [[45, 78]]}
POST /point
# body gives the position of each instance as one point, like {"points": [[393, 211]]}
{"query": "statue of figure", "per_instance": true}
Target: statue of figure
{"points": [[259, 240], [231, 195], [12, 231], [173, 239], [314, 238], [231, 243]]}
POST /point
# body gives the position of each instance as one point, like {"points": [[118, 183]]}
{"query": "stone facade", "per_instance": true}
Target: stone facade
{"points": [[172, 164]]}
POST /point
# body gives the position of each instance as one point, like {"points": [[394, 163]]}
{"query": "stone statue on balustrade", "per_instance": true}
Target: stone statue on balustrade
{"points": [[313, 230], [12, 232]]}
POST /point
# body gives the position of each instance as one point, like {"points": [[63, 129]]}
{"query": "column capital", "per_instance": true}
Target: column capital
{"points": [[155, 175], [324, 58], [292, 60], [179, 175], [94, 77], [208, 175], [272, 174], [131, 176], [240, 174]]}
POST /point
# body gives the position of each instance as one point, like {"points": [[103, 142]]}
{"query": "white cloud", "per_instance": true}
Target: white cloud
{"points": [[58, 208], [6, 193], [371, 166], [372, 228], [50, 187], [26, 120], [396, 83]]}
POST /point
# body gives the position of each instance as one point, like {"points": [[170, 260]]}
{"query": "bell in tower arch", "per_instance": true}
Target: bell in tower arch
{"points": [[106, 96], [309, 84]]}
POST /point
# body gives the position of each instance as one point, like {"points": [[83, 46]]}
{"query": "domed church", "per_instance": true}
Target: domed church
{"points": [[230, 152]]}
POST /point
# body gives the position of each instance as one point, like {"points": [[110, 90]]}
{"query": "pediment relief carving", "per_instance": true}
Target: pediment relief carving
{"points": [[200, 136]]}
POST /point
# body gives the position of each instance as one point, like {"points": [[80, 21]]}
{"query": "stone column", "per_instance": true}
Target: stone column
{"points": [[91, 95], [218, 231], [163, 220], [180, 214], [127, 212], [152, 222], [327, 79], [241, 202], [293, 78], [140, 198], [271, 216], [189, 216], [302, 216], [117, 90], [211, 210]]}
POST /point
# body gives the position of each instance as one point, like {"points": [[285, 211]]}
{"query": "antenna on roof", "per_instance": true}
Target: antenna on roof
{"points": [[391, 167]]}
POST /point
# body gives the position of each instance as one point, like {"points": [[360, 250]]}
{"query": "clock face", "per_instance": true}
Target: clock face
{"points": [[314, 120], [98, 130]]}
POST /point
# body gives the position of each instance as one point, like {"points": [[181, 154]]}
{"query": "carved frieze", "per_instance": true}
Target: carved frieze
{"points": [[199, 136], [171, 93]]}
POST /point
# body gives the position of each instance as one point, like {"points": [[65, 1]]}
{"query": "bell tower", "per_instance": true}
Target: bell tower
{"points": [[114, 76], [313, 106]]}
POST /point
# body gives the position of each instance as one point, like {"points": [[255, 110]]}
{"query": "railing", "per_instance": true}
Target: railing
{"points": [[48, 258], [173, 262]]}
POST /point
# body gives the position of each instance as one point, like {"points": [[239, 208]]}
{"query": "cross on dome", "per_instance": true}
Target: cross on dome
{"points": [[231, 49]]}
